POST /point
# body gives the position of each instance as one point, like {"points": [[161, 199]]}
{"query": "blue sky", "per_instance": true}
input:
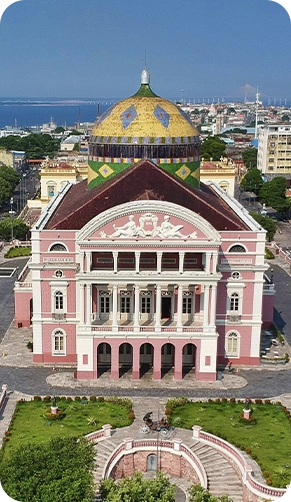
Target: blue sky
{"points": [[95, 48]]}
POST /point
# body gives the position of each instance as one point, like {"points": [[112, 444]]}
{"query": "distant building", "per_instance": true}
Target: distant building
{"points": [[222, 172], [274, 150], [69, 143], [54, 175], [12, 158]]}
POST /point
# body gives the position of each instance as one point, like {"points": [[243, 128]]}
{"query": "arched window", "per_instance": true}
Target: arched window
{"points": [[58, 247], [59, 342], [232, 344], [237, 248], [234, 302]]}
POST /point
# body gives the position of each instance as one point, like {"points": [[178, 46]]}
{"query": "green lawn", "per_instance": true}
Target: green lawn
{"points": [[268, 439], [18, 251], [31, 421]]}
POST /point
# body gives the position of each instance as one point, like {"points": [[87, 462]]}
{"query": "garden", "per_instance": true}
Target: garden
{"points": [[266, 436], [33, 422]]}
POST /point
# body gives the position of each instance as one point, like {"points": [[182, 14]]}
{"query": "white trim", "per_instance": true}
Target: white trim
{"points": [[241, 212], [167, 208]]}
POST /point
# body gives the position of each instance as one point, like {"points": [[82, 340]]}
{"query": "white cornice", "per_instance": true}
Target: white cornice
{"points": [[51, 207]]}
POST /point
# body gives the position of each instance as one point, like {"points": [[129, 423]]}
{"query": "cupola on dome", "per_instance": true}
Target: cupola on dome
{"points": [[143, 126]]}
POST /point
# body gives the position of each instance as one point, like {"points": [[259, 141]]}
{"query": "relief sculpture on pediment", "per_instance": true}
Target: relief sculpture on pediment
{"points": [[148, 228]]}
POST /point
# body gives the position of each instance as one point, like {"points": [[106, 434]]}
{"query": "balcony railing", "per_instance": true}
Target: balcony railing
{"points": [[59, 316], [233, 318]]}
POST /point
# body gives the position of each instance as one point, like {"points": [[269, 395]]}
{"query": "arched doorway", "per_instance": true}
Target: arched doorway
{"points": [[125, 358], [146, 358], [188, 358], [103, 358], [152, 462], [168, 358]]}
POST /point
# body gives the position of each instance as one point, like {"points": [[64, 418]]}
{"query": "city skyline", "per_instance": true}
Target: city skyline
{"points": [[62, 48]]}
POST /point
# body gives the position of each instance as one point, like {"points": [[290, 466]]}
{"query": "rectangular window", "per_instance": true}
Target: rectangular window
{"points": [[104, 304], [232, 346], [104, 260], [125, 305], [59, 344], [187, 305], [147, 260], [145, 305]]}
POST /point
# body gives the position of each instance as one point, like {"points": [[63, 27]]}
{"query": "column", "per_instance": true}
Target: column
{"points": [[136, 307], [180, 307], [214, 262], [88, 261], [135, 363], [178, 375], [114, 361], [88, 303], [157, 366], [82, 303], [82, 258], [207, 263], [159, 262], [158, 306], [193, 303], [213, 305], [137, 258], [115, 256], [181, 262], [114, 308], [206, 306]]}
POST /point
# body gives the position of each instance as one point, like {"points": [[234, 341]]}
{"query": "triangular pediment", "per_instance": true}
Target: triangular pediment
{"points": [[148, 221]]}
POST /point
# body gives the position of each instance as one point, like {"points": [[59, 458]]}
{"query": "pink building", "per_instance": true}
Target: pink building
{"points": [[142, 268]]}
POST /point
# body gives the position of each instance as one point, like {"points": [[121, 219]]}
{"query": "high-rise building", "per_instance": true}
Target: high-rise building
{"points": [[274, 150]]}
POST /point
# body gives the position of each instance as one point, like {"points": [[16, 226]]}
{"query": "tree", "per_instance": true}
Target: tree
{"points": [[138, 489], [59, 129], [267, 223], [20, 229], [285, 118], [9, 179], [34, 145], [5, 190], [59, 471], [199, 494], [252, 181], [273, 193], [249, 157], [213, 147]]}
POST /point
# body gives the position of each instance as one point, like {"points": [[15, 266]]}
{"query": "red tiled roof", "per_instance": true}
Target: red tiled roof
{"points": [[143, 180]]}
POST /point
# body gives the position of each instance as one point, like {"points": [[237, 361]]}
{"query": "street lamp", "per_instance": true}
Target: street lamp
{"points": [[11, 212]]}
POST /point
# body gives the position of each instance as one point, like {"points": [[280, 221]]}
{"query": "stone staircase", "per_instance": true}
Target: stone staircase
{"points": [[222, 477]]}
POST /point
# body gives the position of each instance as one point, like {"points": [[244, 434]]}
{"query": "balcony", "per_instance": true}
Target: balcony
{"points": [[147, 327]]}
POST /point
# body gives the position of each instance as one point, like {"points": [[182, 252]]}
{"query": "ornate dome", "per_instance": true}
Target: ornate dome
{"points": [[142, 118], [143, 126]]}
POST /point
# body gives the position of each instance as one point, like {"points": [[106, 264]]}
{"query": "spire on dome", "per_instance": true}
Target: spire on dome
{"points": [[145, 77]]}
